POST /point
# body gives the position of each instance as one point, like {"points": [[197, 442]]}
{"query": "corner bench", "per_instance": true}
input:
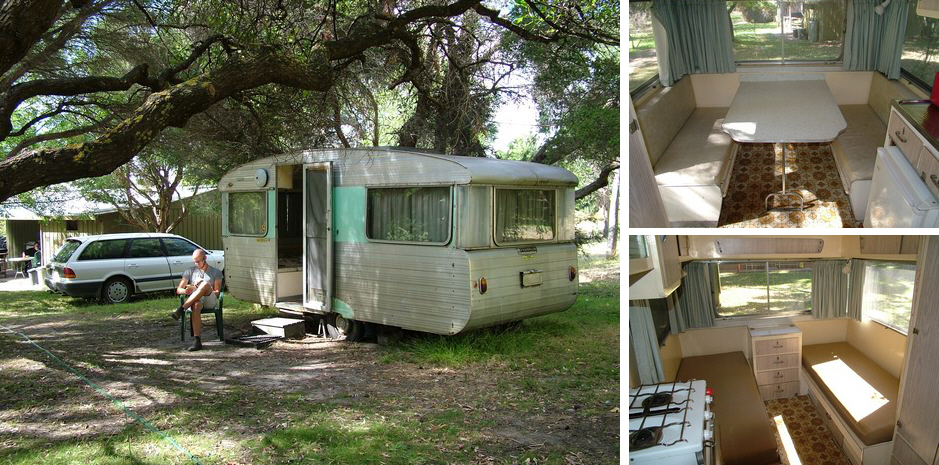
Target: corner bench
{"points": [[742, 425], [691, 156], [858, 397], [855, 150]]}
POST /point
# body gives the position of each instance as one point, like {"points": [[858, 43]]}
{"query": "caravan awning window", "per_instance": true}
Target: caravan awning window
{"points": [[247, 213], [525, 215]]}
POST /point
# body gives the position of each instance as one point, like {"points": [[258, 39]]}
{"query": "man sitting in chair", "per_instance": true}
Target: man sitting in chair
{"points": [[202, 284]]}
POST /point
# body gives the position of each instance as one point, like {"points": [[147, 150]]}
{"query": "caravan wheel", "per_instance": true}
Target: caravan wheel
{"points": [[352, 330]]}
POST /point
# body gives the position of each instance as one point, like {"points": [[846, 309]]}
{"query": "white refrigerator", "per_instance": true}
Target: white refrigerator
{"points": [[899, 198]]}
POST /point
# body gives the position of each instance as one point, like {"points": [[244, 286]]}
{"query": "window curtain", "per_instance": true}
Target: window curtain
{"points": [[524, 215], [697, 38], [829, 289], [872, 41], [417, 214], [856, 289], [644, 344], [695, 308]]}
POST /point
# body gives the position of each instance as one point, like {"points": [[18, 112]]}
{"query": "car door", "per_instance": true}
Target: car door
{"points": [[146, 264], [179, 254]]}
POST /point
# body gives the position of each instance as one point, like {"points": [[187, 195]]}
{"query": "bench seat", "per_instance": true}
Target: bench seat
{"points": [[855, 151], [863, 394], [740, 417]]}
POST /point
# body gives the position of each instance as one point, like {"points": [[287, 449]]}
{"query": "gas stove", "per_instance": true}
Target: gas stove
{"points": [[671, 424]]}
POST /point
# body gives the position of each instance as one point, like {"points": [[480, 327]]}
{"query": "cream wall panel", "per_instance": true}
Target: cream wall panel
{"points": [[823, 331], [851, 248], [671, 355], [715, 341], [718, 90], [714, 90], [849, 87], [884, 346]]}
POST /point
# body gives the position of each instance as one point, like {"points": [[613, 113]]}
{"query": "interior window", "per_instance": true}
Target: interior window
{"points": [[763, 288], [524, 215], [920, 56], [145, 248], [888, 293], [247, 213], [103, 250], [787, 31], [409, 214], [178, 247], [643, 62]]}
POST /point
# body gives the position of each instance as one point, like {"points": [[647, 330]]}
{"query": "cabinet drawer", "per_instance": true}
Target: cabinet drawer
{"points": [[776, 362], [928, 170], [777, 346], [905, 138], [777, 376], [778, 391]]}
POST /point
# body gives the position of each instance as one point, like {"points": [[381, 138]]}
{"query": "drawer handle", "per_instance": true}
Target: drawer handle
{"points": [[778, 346], [934, 178], [777, 362], [778, 376], [779, 389], [897, 133]]}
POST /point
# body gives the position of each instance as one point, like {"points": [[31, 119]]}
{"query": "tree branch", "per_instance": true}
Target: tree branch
{"points": [[22, 24], [603, 179]]}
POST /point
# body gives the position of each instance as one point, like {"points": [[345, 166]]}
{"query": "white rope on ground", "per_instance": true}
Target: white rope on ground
{"points": [[105, 393]]}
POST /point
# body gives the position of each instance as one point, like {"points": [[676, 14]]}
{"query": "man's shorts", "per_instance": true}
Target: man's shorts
{"points": [[210, 301]]}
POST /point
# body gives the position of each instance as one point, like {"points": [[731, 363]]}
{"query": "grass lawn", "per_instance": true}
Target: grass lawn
{"points": [[546, 392]]}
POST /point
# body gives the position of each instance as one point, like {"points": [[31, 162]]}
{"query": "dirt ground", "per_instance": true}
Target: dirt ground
{"points": [[141, 363]]}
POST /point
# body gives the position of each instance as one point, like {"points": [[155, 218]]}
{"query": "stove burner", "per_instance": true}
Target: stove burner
{"points": [[656, 400], [644, 438]]}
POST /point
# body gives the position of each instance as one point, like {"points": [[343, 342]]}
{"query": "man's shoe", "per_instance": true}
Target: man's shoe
{"points": [[196, 345], [177, 313]]}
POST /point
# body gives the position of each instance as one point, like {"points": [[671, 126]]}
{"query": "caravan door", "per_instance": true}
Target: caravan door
{"points": [[318, 241]]}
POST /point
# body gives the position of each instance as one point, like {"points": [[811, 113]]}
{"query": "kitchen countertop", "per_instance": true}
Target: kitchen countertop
{"points": [[924, 117]]}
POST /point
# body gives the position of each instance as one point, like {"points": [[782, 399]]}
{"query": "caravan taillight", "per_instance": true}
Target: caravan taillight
{"points": [[68, 273], [572, 273], [483, 285]]}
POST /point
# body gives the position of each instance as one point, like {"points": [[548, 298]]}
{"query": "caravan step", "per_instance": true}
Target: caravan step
{"points": [[290, 328]]}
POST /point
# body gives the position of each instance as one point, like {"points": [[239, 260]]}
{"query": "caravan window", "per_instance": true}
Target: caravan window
{"points": [[888, 293], [784, 31], [247, 213], [409, 214], [525, 215], [763, 288]]}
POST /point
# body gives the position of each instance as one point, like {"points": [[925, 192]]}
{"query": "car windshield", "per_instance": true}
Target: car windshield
{"points": [[66, 251]]}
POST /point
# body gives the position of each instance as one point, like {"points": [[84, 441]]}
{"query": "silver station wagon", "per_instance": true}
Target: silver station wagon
{"points": [[113, 267]]}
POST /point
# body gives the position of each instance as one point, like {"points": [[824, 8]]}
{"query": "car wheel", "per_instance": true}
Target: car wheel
{"points": [[116, 290]]}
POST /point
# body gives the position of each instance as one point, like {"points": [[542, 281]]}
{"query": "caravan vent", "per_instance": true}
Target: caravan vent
{"points": [[767, 245]]}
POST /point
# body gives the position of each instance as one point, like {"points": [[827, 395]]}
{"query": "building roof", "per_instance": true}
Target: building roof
{"points": [[73, 208]]}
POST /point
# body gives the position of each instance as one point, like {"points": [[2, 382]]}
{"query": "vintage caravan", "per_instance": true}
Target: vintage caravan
{"points": [[403, 238], [762, 350], [784, 114]]}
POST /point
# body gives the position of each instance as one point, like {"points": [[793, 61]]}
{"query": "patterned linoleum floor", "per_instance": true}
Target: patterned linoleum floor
{"points": [[813, 443], [810, 171]]}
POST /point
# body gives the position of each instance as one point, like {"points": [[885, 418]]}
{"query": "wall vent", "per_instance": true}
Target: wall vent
{"points": [[768, 246]]}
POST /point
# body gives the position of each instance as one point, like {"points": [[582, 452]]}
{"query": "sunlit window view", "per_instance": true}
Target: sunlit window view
{"points": [[787, 31], [643, 64], [888, 293], [763, 288], [921, 47]]}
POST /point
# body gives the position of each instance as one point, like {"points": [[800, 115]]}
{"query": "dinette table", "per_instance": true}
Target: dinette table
{"points": [[779, 112], [19, 263]]}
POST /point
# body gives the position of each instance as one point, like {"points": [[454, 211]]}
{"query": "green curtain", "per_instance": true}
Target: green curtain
{"points": [[829, 289], [697, 38], [856, 289], [695, 308], [644, 344], [872, 41]]}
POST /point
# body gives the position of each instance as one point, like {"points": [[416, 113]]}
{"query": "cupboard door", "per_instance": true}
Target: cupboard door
{"points": [[928, 170], [918, 423]]}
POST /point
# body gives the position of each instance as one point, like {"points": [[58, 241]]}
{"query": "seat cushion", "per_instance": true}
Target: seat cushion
{"points": [[856, 148], [661, 117], [863, 393], [739, 414], [699, 153]]}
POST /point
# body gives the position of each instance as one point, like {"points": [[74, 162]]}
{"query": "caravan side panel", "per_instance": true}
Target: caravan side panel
{"points": [[250, 273], [422, 288]]}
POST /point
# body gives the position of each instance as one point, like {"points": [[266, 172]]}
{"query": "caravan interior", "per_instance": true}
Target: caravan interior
{"points": [[752, 349], [784, 114]]}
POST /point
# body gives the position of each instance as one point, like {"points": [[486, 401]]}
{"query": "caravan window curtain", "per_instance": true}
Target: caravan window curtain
{"points": [[695, 306], [829, 289], [409, 214], [247, 213], [644, 344], [525, 215], [692, 36], [874, 42]]}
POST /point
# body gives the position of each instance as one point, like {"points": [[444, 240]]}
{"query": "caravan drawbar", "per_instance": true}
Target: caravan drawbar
{"points": [[403, 238]]}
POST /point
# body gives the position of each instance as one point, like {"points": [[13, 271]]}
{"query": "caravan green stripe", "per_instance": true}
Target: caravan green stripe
{"points": [[349, 214]]}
